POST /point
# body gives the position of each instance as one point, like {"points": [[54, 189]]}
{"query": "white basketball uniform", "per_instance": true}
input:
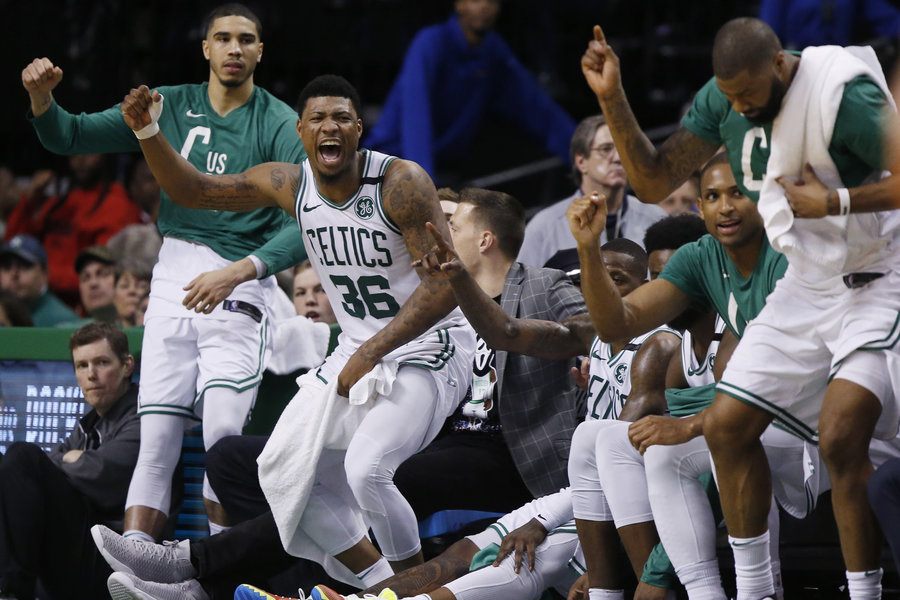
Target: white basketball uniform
{"points": [[365, 269]]}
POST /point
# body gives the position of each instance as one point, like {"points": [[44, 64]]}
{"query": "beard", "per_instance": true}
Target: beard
{"points": [[767, 113]]}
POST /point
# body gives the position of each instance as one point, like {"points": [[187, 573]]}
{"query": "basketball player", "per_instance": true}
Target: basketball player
{"points": [[214, 357], [363, 218]]}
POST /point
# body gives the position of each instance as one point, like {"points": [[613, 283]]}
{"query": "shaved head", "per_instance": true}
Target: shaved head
{"points": [[743, 44]]}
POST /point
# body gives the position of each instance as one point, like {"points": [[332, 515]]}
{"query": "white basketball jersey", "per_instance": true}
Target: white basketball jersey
{"points": [[610, 378], [359, 253], [700, 372]]}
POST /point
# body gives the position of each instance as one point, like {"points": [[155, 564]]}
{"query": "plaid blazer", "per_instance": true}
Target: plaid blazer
{"points": [[537, 399]]}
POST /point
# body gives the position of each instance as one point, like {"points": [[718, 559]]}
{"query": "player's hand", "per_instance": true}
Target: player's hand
{"points": [[207, 290], [654, 430], [39, 78], [587, 218], [359, 363], [808, 196], [600, 66], [524, 542], [580, 375], [136, 107], [441, 261], [645, 591], [579, 589]]}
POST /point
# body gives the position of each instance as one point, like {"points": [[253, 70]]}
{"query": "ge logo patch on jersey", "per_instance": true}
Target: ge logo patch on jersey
{"points": [[620, 373], [365, 208]]}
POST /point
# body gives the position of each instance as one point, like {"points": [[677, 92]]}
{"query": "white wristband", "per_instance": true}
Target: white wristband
{"points": [[843, 201], [261, 268], [153, 128]]}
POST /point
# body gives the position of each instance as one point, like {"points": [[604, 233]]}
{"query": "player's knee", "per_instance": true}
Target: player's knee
{"points": [[843, 445], [662, 462], [365, 475], [730, 426]]}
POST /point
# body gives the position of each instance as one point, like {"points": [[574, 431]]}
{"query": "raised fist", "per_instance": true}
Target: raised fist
{"points": [[41, 76], [136, 107]]}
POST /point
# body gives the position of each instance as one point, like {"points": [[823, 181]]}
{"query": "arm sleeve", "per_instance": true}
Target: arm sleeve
{"points": [[284, 250], [706, 112], [658, 570], [683, 270], [859, 125], [555, 509], [103, 132], [526, 103], [103, 474], [415, 86]]}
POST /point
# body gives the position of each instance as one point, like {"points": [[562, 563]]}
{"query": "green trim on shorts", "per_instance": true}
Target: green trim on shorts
{"points": [[576, 566], [247, 382], [500, 529], [885, 342], [319, 376], [440, 360], [791, 423], [191, 416]]}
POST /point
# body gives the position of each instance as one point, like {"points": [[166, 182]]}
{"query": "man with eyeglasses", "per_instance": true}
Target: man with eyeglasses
{"points": [[596, 167]]}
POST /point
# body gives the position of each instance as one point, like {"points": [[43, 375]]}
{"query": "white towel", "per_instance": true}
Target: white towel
{"points": [[826, 247], [297, 342]]}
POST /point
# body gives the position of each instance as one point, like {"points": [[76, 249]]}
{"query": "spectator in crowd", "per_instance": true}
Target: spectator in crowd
{"points": [[140, 241], [802, 23], [684, 199], [23, 273], [49, 502], [143, 189], [90, 211], [456, 75], [310, 299], [132, 286], [10, 193], [13, 312], [96, 269], [508, 442], [596, 167]]}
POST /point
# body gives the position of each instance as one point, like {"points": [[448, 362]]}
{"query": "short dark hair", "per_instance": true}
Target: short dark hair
{"points": [[629, 248], [499, 212], [671, 233], [743, 44], [94, 332], [719, 159], [582, 138], [231, 9], [329, 85]]}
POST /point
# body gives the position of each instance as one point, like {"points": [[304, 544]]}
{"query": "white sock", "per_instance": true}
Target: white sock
{"points": [[376, 573], [753, 567], [702, 581], [215, 528], [139, 536], [598, 594], [864, 584]]}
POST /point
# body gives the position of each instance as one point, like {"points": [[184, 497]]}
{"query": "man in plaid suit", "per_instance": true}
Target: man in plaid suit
{"points": [[508, 442]]}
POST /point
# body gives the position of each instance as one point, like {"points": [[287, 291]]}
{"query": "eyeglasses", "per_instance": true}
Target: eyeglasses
{"points": [[604, 150]]}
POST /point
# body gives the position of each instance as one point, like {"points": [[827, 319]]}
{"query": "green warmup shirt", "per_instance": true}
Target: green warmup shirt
{"points": [[261, 130], [856, 143], [50, 311]]}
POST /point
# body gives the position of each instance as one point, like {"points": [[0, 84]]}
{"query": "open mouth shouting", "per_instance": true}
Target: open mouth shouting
{"points": [[330, 153]]}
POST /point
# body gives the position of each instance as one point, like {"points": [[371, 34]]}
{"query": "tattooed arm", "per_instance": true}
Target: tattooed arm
{"points": [[451, 564], [410, 201], [653, 173], [269, 184]]}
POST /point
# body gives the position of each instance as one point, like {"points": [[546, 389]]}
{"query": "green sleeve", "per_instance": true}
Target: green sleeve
{"points": [[658, 570], [284, 250], [286, 144], [777, 267], [61, 132], [683, 271], [706, 113], [860, 123]]}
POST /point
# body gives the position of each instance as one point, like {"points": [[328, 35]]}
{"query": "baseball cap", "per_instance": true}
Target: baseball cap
{"points": [[27, 248], [94, 253]]}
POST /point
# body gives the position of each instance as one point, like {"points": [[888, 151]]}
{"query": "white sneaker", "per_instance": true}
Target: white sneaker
{"points": [[124, 586], [169, 562]]}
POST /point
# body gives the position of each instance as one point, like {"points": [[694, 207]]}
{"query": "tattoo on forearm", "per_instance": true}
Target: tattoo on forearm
{"points": [[233, 192], [423, 578], [277, 176]]}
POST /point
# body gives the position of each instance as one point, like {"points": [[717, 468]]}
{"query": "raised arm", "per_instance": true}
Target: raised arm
{"points": [[535, 337], [653, 173], [269, 184], [410, 201], [648, 377], [614, 317]]}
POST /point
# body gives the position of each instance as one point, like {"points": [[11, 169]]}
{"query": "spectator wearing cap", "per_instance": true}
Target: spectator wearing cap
{"points": [[596, 167], [96, 268], [23, 273], [87, 211]]}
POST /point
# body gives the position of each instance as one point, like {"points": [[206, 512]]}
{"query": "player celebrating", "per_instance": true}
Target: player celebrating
{"points": [[214, 359], [829, 328], [363, 218]]}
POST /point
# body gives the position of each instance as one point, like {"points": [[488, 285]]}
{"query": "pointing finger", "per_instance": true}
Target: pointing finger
{"points": [[598, 34]]}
